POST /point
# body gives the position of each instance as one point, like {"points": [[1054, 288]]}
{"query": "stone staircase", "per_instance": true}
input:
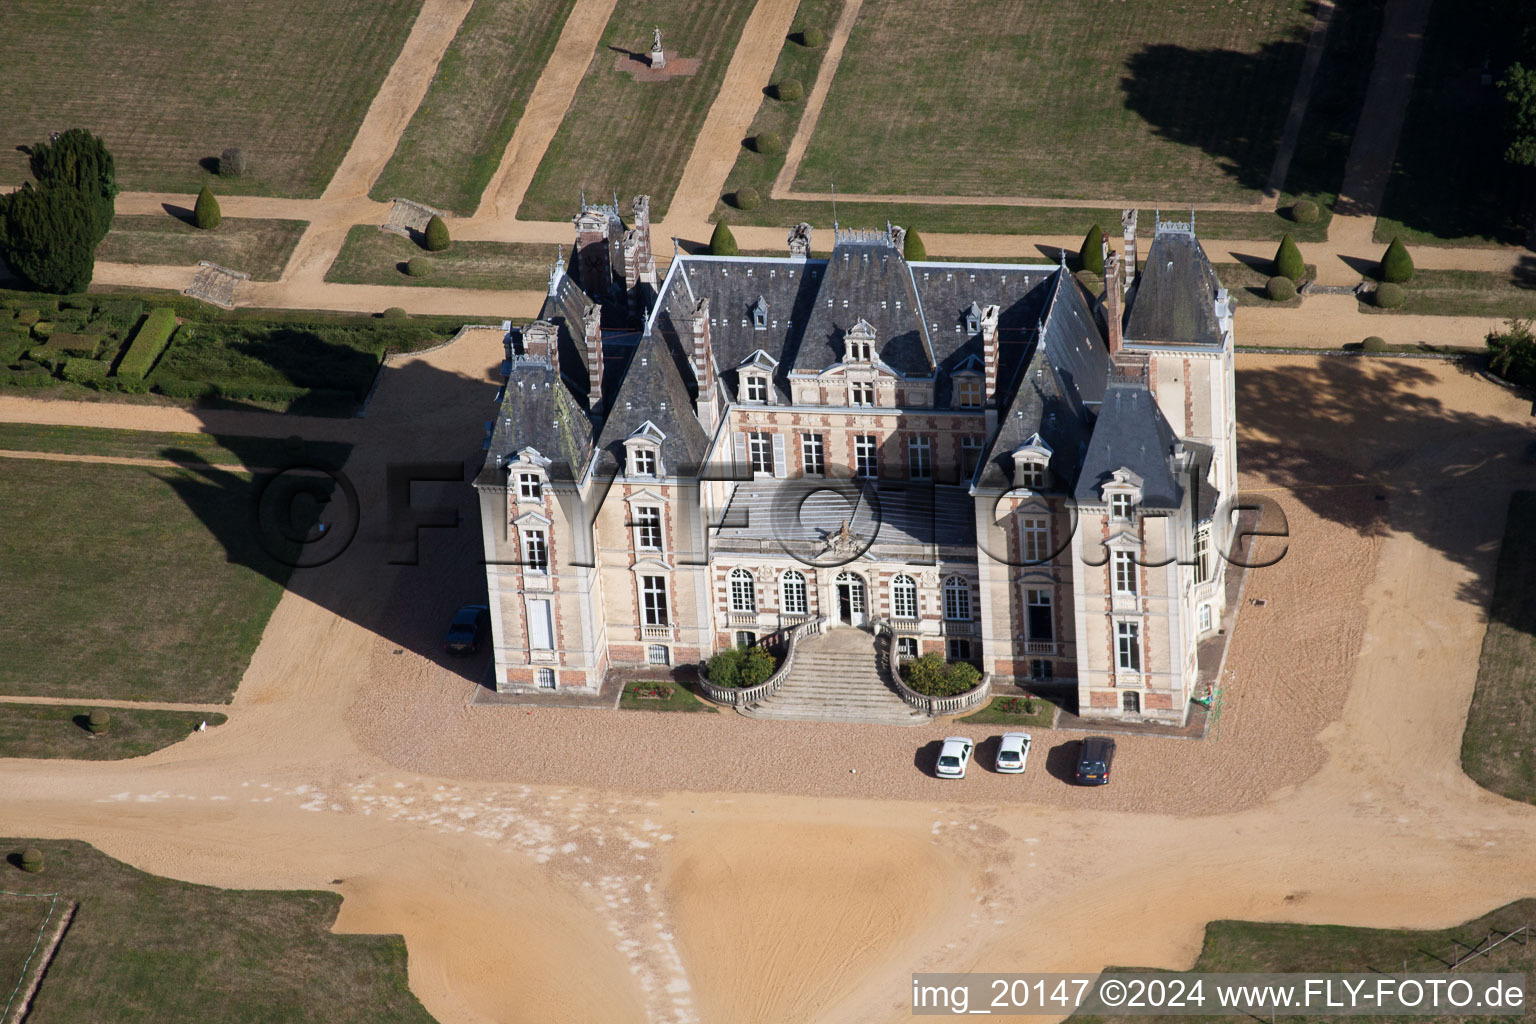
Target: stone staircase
{"points": [[836, 678]]}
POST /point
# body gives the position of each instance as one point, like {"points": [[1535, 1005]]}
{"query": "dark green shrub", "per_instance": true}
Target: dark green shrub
{"points": [[1389, 296], [1373, 344], [1304, 211], [1396, 264], [152, 337], [1288, 261], [722, 242], [84, 345], [120, 314], [12, 346], [420, 266], [1091, 256], [232, 162], [1279, 289], [767, 143], [99, 720], [746, 198], [912, 248], [740, 667], [42, 330], [812, 37], [789, 91], [932, 676], [81, 162], [32, 859], [1512, 353], [85, 371], [47, 236], [205, 213], [436, 236], [396, 313]]}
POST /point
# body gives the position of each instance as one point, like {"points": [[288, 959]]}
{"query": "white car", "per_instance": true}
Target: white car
{"points": [[1013, 753], [954, 756]]}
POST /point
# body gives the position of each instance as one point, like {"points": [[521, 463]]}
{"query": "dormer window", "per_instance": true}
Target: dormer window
{"points": [[1122, 492], [642, 451], [1032, 475], [968, 392], [858, 352], [859, 343], [754, 388], [973, 319], [1121, 506], [760, 314], [530, 487], [642, 462], [1031, 464]]}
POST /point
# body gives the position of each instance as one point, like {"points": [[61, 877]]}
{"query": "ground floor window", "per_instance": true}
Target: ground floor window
{"points": [[1205, 618], [545, 678], [1042, 668], [1131, 701], [906, 646], [658, 654], [959, 649], [746, 638]]}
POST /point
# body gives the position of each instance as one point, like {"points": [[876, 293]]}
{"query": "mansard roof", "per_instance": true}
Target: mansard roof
{"points": [[653, 391], [1131, 433], [563, 306], [1174, 301], [866, 280], [538, 411]]}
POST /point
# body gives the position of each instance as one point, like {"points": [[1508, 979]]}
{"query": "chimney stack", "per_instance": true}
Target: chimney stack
{"points": [[592, 324], [1113, 296], [541, 341], [989, 352], [800, 241], [1128, 225], [704, 364]]}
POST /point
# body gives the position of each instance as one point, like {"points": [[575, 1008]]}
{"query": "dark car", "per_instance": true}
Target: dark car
{"points": [[1094, 759], [469, 625]]}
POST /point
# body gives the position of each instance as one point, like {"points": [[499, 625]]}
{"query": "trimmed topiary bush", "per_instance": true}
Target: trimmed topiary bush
{"points": [[152, 337], [1304, 211], [99, 720], [722, 242], [85, 371], [1396, 264], [1389, 296], [912, 247], [1373, 344], [32, 859], [740, 666], [812, 37], [395, 313], [789, 91], [436, 236], [767, 143], [1091, 256], [1279, 289], [232, 162], [420, 266], [746, 198], [206, 213], [1288, 261]]}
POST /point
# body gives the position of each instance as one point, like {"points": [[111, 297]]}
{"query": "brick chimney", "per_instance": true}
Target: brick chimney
{"points": [[1114, 295], [591, 323], [704, 364], [1128, 225], [541, 341], [989, 352]]}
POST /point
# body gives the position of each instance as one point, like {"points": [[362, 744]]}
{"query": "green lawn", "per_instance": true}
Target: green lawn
{"points": [[1498, 750], [168, 85], [22, 918], [1246, 946], [175, 447], [1178, 102], [53, 730], [257, 247], [145, 948], [682, 699], [1464, 293], [371, 256], [455, 140], [130, 583], [996, 713], [631, 136]]}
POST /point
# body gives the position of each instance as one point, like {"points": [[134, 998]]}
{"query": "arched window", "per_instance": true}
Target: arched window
{"points": [[957, 599], [792, 593], [743, 591], [903, 597]]}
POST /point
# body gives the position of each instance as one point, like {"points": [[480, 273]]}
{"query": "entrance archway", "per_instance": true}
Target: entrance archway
{"points": [[852, 600]]}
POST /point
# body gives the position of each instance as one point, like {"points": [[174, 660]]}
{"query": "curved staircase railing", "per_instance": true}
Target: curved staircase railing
{"points": [[741, 696], [890, 664]]}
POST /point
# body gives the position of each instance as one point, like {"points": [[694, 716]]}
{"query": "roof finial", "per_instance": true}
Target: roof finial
{"points": [[834, 212], [1191, 219], [583, 200], [1063, 257]]}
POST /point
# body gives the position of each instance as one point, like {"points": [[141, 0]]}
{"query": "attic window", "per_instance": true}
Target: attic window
{"points": [[760, 315], [972, 321], [754, 388], [1120, 506]]}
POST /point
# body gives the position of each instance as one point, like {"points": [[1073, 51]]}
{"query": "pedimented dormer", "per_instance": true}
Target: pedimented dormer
{"points": [[859, 344], [642, 452], [527, 476], [1032, 464], [1122, 492], [754, 378]]}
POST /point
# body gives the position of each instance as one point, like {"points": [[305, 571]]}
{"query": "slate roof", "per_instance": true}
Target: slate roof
{"points": [[947, 290], [563, 308], [538, 411], [1173, 302], [1130, 432], [654, 390], [866, 280], [769, 515]]}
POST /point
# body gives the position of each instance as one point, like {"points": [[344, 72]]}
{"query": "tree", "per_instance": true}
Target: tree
{"points": [[722, 242], [1512, 354], [232, 162], [1519, 88], [1396, 264], [47, 235], [1091, 255], [81, 161], [436, 234], [1288, 261], [206, 213], [912, 248]]}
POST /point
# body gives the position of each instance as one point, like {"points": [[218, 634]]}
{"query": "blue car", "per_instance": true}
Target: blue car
{"points": [[469, 625]]}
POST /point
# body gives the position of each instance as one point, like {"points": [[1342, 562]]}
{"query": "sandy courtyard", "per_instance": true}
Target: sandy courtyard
{"points": [[570, 866]]}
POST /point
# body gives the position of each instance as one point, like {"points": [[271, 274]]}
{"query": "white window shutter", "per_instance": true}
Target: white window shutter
{"points": [[780, 464], [741, 451]]}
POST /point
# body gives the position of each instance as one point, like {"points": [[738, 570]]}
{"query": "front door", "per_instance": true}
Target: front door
{"points": [[850, 600]]}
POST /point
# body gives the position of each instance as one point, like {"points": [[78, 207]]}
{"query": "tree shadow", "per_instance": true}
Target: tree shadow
{"points": [[181, 213], [1523, 274], [209, 164]]}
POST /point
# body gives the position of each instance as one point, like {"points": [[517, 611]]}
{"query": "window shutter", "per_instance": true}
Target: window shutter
{"points": [[780, 465], [741, 452]]}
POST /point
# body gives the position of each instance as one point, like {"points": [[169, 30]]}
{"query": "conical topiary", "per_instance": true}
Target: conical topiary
{"points": [[1288, 261], [912, 248], [722, 242], [1091, 255], [436, 235], [1396, 264], [206, 213]]}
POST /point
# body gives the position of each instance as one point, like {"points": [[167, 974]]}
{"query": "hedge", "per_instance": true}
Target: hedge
{"points": [[1373, 344], [740, 667], [152, 337], [83, 371], [84, 345], [931, 676]]}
